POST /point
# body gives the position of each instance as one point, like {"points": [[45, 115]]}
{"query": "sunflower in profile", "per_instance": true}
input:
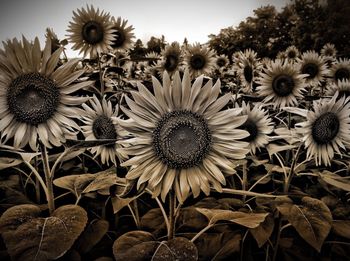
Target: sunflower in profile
{"points": [[247, 67], [172, 59], [259, 126], [151, 60], [123, 34], [342, 87], [327, 128], [100, 123], [329, 50], [199, 60], [35, 100], [281, 83], [340, 70], [91, 31], [182, 139], [314, 66]]}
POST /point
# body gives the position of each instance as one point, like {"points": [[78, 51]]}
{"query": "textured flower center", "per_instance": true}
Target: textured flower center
{"points": [[171, 62], [197, 61], [32, 98], [181, 139], [248, 73], [291, 54], [92, 32], [325, 128], [251, 127], [311, 69], [103, 128], [119, 39], [283, 85], [342, 74], [221, 62]]}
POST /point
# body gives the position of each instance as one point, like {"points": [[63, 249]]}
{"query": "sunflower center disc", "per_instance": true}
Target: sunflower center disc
{"points": [[197, 61], [221, 62], [181, 139], [171, 62], [92, 32], [325, 128], [32, 98], [103, 128], [248, 73], [342, 74], [251, 127], [291, 55], [119, 39], [283, 85], [311, 69]]}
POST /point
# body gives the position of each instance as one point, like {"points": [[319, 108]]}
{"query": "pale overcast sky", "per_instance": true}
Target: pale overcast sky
{"points": [[177, 19]]}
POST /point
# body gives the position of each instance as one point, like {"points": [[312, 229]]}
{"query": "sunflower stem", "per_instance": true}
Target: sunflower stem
{"points": [[291, 171], [48, 178], [37, 182], [101, 74], [244, 181], [172, 204]]}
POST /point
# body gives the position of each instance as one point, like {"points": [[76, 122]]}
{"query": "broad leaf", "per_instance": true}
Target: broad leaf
{"points": [[119, 203], [312, 220], [135, 246], [179, 248], [249, 220], [335, 180], [41, 238], [263, 232], [92, 234], [342, 228]]}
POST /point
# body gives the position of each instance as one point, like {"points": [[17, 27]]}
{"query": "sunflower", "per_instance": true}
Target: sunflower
{"points": [[151, 60], [199, 60], [182, 139], [329, 50], [327, 128], [247, 66], [281, 83], [221, 62], [100, 123], [171, 59], [258, 124], [340, 70], [314, 66], [35, 95], [292, 53], [91, 32], [342, 86], [123, 34]]}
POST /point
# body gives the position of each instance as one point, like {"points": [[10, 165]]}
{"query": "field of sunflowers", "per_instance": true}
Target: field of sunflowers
{"points": [[178, 154]]}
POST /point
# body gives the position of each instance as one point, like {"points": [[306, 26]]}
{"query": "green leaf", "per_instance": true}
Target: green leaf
{"points": [[119, 203], [135, 246], [312, 220], [92, 234], [263, 232], [249, 220], [41, 238], [335, 180], [153, 220]]}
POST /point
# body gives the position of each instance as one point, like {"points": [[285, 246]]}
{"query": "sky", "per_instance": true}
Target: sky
{"points": [[177, 19]]}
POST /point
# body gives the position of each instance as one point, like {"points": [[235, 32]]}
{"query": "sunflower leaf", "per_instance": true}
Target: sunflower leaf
{"points": [[335, 180], [249, 220]]}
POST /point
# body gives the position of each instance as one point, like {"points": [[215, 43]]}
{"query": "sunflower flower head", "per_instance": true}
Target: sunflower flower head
{"points": [[327, 128], [171, 59], [35, 94], [342, 87], [340, 70], [100, 122], [199, 60], [258, 124], [91, 31], [182, 139], [123, 34], [281, 83]]}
